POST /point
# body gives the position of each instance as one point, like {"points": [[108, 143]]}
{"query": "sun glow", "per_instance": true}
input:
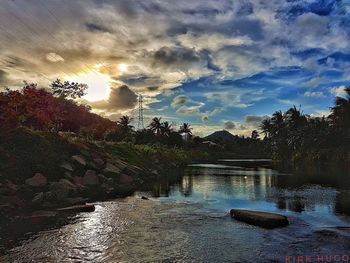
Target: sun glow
{"points": [[99, 85], [123, 68]]}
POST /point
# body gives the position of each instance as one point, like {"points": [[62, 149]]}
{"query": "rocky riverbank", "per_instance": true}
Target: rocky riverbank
{"points": [[44, 171]]}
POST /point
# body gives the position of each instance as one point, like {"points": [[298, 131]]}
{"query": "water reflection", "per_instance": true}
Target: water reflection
{"points": [[182, 223], [222, 187]]}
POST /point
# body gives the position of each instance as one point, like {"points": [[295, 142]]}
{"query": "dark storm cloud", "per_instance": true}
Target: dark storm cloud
{"points": [[179, 101], [252, 120], [229, 125], [120, 98], [91, 27], [169, 56]]}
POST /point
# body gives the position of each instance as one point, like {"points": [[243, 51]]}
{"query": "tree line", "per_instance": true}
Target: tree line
{"points": [[56, 110], [293, 135]]}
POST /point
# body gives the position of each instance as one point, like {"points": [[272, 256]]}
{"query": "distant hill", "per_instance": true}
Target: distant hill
{"points": [[220, 136]]}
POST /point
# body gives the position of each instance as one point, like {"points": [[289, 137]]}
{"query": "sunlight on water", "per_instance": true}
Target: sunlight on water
{"points": [[187, 222]]}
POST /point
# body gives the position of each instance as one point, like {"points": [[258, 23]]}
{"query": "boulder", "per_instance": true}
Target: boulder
{"points": [[99, 162], [79, 159], [67, 183], [78, 180], [125, 179], [262, 219], [68, 176], [38, 198], [104, 179], [90, 178], [78, 208], [111, 169], [67, 166], [37, 180]]}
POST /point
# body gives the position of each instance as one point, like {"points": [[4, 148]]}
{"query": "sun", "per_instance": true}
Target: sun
{"points": [[98, 85], [123, 68]]}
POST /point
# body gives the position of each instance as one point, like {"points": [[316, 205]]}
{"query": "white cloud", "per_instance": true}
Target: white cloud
{"points": [[315, 94]]}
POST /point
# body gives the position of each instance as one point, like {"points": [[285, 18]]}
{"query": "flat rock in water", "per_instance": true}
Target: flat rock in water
{"points": [[78, 208], [262, 219]]}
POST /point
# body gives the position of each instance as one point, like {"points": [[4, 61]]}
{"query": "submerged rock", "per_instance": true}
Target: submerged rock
{"points": [[37, 180], [262, 219], [78, 208]]}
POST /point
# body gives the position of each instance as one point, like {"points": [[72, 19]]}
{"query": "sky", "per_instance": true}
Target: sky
{"points": [[216, 64]]}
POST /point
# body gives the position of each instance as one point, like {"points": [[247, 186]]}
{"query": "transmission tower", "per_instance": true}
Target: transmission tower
{"points": [[140, 125]]}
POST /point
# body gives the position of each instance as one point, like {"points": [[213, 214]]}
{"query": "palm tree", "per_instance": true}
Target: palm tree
{"points": [[156, 125], [124, 123], [340, 116], [295, 118], [266, 127], [186, 129], [166, 129], [277, 122]]}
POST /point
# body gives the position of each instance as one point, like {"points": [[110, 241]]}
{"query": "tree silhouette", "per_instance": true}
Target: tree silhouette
{"points": [[68, 89], [185, 128], [124, 123], [166, 129], [156, 125]]}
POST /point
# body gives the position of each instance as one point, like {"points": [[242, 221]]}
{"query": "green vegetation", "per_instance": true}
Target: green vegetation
{"points": [[302, 139]]}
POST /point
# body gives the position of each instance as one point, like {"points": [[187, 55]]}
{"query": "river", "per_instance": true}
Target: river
{"points": [[187, 221]]}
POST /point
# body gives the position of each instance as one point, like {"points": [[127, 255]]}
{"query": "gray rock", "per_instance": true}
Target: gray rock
{"points": [[79, 159], [67, 166], [38, 199], [67, 183], [90, 178], [103, 178], [37, 180], [99, 162], [262, 219], [68, 176], [125, 179], [78, 208], [111, 169]]}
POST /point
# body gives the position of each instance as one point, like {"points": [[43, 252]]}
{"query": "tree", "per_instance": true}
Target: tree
{"points": [[266, 127], [255, 135], [124, 123], [156, 125], [185, 128], [68, 89], [166, 129], [340, 113]]}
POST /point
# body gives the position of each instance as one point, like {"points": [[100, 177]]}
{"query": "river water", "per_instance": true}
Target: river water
{"points": [[187, 221]]}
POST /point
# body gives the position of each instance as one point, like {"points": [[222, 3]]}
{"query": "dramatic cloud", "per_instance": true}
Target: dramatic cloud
{"points": [[202, 62], [179, 101], [229, 125], [120, 98]]}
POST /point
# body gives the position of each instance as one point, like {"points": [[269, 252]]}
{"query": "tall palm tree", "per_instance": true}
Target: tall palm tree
{"points": [[295, 118], [340, 116], [186, 129], [277, 122], [156, 125], [266, 127], [166, 129], [124, 123]]}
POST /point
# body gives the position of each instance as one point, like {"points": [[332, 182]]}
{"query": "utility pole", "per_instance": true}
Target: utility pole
{"points": [[140, 125]]}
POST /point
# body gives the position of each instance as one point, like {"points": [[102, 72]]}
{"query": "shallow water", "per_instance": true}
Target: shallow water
{"points": [[187, 222]]}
